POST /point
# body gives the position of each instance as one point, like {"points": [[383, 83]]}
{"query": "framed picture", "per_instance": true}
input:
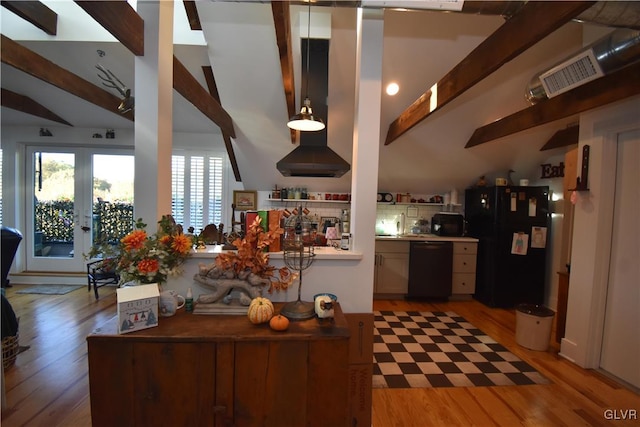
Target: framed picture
{"points": [[245, 200]]}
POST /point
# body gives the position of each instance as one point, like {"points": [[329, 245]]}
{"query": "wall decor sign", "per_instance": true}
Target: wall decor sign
{"points": [[245, 200], [551, 171]]}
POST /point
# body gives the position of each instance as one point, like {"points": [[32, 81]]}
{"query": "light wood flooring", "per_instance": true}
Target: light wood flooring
{"points": [[48, 386]]}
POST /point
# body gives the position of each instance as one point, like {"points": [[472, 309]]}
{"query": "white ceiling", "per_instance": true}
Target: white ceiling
{"points": [[419, 48]]}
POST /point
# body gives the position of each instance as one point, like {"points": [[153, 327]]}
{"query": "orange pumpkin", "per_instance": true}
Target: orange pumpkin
{"points": [[260, 310], [279, 323]]}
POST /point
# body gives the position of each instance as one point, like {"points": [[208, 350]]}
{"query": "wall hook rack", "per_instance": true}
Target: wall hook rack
{"points": [[582, 180]]}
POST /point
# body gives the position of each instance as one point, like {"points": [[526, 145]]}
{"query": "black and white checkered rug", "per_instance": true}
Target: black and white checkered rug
{"points": [[441, 349]]}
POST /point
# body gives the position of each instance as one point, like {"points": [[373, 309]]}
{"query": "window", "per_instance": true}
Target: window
{"points": [[196, 190]]}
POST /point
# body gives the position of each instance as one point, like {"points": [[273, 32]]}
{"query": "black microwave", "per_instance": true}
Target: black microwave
{"points": [[447, 224]]}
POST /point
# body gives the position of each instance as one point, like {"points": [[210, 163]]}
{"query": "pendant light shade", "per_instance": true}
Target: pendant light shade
{"points": [[305, 120]]}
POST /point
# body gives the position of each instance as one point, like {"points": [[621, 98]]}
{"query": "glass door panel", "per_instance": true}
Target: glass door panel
{"points": [[112, 209], [53, 214]]}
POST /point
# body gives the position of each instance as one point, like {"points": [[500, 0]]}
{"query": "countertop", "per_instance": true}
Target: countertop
{"points": [[321, 252], [424, 237]]}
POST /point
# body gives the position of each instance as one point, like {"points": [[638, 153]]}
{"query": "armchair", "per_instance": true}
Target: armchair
{"points": [[10, 241]]}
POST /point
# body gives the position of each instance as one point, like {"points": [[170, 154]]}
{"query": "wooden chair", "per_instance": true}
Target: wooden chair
{"points": [[101, 272]]}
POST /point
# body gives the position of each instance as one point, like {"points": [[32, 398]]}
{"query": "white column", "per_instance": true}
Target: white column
{"points": [[366, 143], [154, 113]]}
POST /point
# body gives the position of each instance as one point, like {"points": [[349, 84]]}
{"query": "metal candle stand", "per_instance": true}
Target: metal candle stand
{"points": [[298, 256]]}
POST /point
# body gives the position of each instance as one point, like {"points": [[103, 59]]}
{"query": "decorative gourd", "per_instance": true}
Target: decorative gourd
{"points": [[279, 323], [260, 310]]}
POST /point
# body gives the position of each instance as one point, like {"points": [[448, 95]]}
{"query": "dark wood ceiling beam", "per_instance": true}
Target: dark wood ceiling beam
{"points": [[564, 137], [29, 62], [187, 86], [213, 90], [535, 21], [120, 19], [282, 22], [22, 103], [614, 87], [192, 14], [36, 13]]}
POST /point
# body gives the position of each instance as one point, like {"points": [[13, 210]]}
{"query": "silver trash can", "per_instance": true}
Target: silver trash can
{"points": [[533, 326]]}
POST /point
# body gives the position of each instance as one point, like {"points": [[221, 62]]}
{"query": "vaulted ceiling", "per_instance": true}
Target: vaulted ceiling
{"points": [[243, 80]]}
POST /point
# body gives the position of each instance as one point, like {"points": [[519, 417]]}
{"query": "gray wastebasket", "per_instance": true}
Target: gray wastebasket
{"points": [[533, 326]]}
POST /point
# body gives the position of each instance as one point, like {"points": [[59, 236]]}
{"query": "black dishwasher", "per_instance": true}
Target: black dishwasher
{"points": [[430, 269]]}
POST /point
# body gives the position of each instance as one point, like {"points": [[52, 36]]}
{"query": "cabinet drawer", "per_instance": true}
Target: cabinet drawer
{"points": [[463, 283], [465, 248], [464, 263], [399, 247]]}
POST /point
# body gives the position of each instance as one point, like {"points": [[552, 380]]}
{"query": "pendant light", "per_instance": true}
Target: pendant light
{"points": [[305, 120]]}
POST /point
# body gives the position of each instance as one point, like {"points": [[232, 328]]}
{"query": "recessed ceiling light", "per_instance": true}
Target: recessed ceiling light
{"points": [[392, 88]]}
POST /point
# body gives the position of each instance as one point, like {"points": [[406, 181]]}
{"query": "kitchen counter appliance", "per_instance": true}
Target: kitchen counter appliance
{"points": [[447, 224], [430, 270]]}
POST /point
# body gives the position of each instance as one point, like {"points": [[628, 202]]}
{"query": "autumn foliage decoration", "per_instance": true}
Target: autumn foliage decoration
{"points": [[251, 255]]}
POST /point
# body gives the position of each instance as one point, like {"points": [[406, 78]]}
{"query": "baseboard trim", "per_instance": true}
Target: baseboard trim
{"points": [[52, 277]]}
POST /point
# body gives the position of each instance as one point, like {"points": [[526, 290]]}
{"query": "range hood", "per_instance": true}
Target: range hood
{"points": [[315, 160]]}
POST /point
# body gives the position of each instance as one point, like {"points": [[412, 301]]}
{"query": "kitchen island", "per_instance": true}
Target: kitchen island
{"points": [[392, 264]]}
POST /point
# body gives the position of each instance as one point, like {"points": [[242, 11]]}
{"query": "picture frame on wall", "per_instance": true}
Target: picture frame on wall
{"points": [[245, 200]]}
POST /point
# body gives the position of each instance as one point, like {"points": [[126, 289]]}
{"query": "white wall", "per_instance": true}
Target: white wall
{"points": [[592, 231]]}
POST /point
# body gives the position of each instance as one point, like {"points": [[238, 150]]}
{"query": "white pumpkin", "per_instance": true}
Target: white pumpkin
{"points": [[260, 310]]}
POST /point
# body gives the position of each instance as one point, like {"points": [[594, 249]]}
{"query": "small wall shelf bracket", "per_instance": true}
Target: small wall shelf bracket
{"points": [[582, 180]]}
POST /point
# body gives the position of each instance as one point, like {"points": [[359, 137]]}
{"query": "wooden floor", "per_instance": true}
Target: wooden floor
{"points": [[48, 386]]}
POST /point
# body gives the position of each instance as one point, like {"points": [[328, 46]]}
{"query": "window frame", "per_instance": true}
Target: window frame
{"points": [[212, 211]]}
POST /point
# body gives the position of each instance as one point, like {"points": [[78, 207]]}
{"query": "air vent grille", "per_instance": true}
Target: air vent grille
{"points": [[572, 73]]}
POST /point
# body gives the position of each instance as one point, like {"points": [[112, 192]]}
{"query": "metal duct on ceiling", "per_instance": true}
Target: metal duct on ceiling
{"points": [[616, 50]]}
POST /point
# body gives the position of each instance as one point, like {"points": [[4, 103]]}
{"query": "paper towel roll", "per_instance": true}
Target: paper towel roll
{"points": [[454, 197]]}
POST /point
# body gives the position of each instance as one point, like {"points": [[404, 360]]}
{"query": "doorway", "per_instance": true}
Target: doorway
{"points": [[620, 349], [73, 196]]}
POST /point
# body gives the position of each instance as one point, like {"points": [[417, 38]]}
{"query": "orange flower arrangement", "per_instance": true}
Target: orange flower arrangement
{"points": [[151, 259]]}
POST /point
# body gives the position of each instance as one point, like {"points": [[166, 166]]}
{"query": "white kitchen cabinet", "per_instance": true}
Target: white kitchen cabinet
{"points": [[392, 268], [464, 268]]}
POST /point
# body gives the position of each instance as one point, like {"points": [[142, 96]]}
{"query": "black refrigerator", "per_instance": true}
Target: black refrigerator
{"points": [[512, 225]]}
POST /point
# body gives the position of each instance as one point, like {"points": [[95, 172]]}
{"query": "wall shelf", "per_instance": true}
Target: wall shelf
{"points": [[305, 201]]}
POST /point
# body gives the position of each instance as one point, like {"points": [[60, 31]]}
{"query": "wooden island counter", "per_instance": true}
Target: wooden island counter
{"points": [[221, 370]]}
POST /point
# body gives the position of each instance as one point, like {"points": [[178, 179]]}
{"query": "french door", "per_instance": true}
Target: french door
{"points": [[67, 191]]}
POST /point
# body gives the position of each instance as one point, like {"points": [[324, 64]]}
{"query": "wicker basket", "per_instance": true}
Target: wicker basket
{"points": [[9, 351]]}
